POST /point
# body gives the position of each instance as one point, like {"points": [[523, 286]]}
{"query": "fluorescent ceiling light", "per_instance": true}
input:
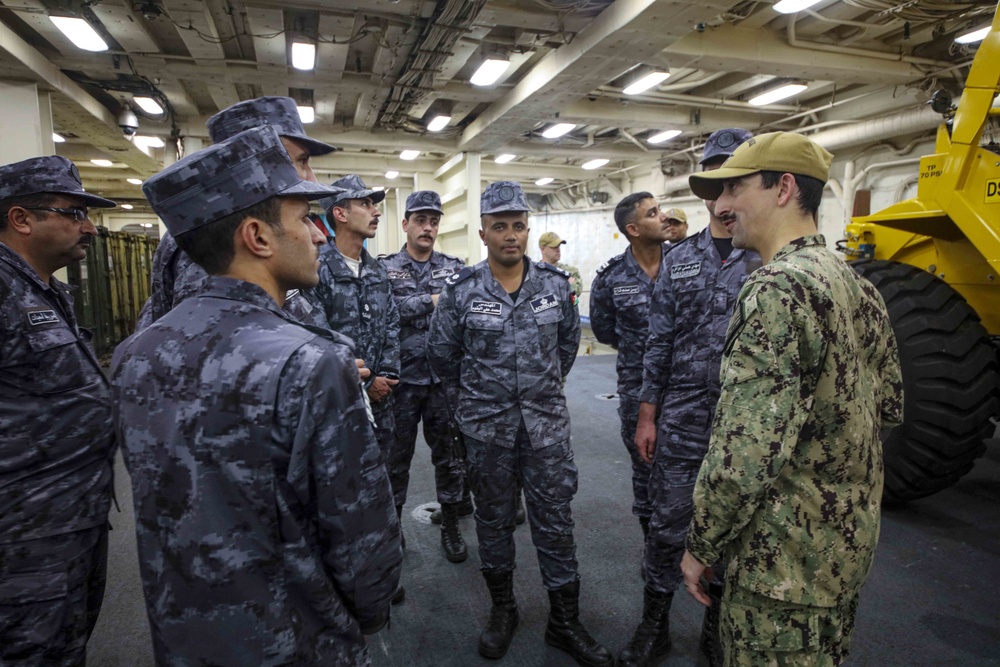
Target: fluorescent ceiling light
{"points": [[152, 142], [303, 55], [378, 188], [663, 136], [134, 181], [778, 94], [127, 207], [149, 105], [438, 123], [147, 225], [58, 138], [594, 164], [558, 130], [103, 163], [544, 181], [391, 174], [409, 155], [81, 33], [974, 36], [504, 159], [488, 73], [645, 83], [307, 114], [792, 6]]}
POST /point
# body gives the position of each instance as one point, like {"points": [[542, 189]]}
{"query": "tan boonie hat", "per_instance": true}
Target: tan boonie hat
{"points": [[550, 240], [677, 214], [785, 152]]}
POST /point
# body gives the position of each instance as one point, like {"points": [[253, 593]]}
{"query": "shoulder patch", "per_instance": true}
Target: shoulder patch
{"points": [[608, 264], [553, 269], [466, 273]]}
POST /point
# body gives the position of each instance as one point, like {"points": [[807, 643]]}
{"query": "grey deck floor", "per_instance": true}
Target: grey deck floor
{"points": [[932, 598]]}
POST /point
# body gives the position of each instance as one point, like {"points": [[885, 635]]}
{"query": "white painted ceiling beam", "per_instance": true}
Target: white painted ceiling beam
{"points": [[204, 51]]}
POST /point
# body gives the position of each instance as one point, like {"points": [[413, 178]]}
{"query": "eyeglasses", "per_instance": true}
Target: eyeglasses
{"points": [[77, 213]]}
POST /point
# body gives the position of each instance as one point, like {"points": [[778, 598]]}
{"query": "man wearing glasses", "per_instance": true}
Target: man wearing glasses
{"points": [[56, 442]]}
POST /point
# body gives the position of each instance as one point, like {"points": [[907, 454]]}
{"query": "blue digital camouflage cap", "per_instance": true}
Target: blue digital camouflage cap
{"points": [[501, 197], [722, 143], [280, 112], [225, 178], [424, 200], [50, 174], [350, 187]]}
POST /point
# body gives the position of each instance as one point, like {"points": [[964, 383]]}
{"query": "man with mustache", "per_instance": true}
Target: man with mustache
{"points": [[354, 297], [264, 516], [790, 491], [692, 301], [619, 316], [174, 276], [56, 437], [504, 335], [417, 274]]}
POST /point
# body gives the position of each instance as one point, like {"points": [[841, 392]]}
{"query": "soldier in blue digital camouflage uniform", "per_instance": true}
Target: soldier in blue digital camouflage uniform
{"points": [[790, 491], [174, 276], [417, 274], [56, 437], [264, 517], [354, 297], [619, 317], [693, 299], [504, 335]]}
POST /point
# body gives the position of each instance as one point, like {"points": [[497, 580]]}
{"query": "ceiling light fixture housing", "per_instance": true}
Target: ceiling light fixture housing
{"points": [[664, 136], [303, 55], [544, 181], [409, 154], [558, 130], [149, 105], [134, 181], [973, 37], [58, 138], [80, 32], [102, 162], [777, 94], [438, 123], [595, 163], [307, 114], [645, 83], [504, 158], [489, 72], [391, 174], [793, 6]]}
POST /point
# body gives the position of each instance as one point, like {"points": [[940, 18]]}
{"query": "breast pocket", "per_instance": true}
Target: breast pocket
{"points": [[484, 336], [692, 293], [51, 362], [633, 311], [548, 327]]}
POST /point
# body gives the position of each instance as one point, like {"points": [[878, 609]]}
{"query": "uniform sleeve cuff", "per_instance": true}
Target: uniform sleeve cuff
{"points": [[701, 550]]}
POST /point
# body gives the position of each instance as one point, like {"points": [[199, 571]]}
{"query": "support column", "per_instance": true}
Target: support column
{"points": [[473, 178], [24, 133]]}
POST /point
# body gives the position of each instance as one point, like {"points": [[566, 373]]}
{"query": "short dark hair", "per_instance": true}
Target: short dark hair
{"points": [[212, 247], [626, 207], [810, 190], [27, 201]]}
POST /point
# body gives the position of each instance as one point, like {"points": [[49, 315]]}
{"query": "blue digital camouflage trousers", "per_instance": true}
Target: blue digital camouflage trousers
{"points": [[51, 591], [758, 631], [549, 477], [414, 403], [671, 491], [628, 411]]}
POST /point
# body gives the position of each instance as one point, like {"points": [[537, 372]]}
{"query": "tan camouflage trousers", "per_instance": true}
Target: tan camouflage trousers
{"points": [[758, 631]]}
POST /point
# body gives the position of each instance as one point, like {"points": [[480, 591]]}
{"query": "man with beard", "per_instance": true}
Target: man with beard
{"points": [[264, 517], [693, 299], [56, 438], [505, 334], [175, 277], [417, 273]]}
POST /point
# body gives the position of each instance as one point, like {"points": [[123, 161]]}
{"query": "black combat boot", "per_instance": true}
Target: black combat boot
{"points": [[567, 633], [495, 639], [652, 637], [451, 537], [399, 515], [711, 640], [519, 515], [465, 508]]}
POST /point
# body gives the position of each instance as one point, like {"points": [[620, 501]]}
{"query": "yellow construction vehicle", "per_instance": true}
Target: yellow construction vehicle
{"points": [[936, 260]]}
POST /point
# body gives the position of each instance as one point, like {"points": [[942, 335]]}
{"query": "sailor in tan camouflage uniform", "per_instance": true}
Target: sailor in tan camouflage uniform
{"points": [[791, 487]]}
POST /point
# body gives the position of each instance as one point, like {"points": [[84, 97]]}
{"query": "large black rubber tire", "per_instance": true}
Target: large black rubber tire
{"points": [[951, 384]]}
